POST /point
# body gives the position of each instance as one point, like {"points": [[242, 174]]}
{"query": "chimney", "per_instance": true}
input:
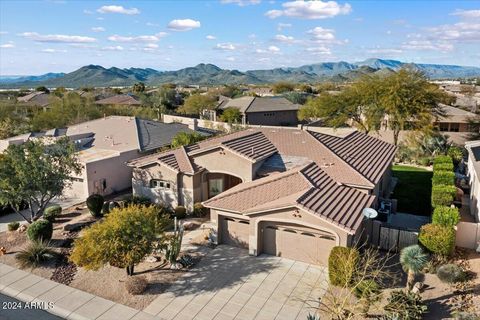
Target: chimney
{"points": [[193, 125]]}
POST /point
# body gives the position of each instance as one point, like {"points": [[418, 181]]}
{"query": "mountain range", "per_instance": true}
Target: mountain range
{"points": [[209, 74]]}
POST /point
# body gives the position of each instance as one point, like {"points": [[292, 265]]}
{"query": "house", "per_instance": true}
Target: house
{"points": [[38, 99], [455, 120], [282, 191], [104, 146], [268, 111], [120, 99], [473, 168]]}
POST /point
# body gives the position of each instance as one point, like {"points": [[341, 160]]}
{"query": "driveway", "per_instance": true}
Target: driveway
{"points": [[229, 284]]}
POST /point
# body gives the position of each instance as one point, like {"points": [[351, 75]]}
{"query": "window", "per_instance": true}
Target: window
{"points": [[269, 114], [155, 183], [215, 186], [443, 126], [454, 127]]}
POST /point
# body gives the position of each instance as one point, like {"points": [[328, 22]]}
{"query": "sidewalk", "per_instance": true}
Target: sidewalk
{"points": [[68, 302]]}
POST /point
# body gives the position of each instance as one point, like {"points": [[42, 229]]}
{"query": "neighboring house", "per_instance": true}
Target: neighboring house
{"points": [[120, 99], [104, 146], [286, 192], [268, 111], [38, 99], [455, 120], [473, 167]]}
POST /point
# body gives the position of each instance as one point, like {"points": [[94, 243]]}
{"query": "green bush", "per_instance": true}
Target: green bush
{"points": [[342, 262], [366, 289], [52, 212], [138, 200], [199, 210], [446, 178], [404, 306], [136, 284], [105, 208], [450, 273], [445, 216], [456, 153], [443, 167], [443, 195], [442, 159], [180, 212], [95, 204], [12, 226], [40, 230], [35, 254], [425, 161], [438, 239]]}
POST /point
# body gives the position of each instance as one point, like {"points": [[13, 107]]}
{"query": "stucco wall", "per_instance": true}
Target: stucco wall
{"points": [[474, 188], [224, 161], [279, 118], [141, 184]]}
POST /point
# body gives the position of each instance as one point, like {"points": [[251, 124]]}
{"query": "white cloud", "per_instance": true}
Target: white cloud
{"points": [[321, 50], [98, 29], [113, 48], [225, 46], [183, 24], [210, 37], [320, 34], [274, 49], [53, 50], [7, 46], [57, 38], [316, 9], [151, 45], [461, 31], [145, 38], [427, 45], [3, 32], [284, 38], [241, 3], [468, 14], [261, 51], [282, 26], [118, 9], [231, 58], [386, 51]]}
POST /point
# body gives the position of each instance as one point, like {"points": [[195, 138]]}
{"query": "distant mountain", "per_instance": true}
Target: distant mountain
{"points": [[209, 74]]}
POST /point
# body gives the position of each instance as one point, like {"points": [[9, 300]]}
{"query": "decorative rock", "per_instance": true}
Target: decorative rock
{"points": [[3, 251], [417, 287], [189, 225], [22, 228], [151, 259], [176, 266], [77, 226]]}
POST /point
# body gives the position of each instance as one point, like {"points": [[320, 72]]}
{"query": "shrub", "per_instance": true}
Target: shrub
{"points": [[442, 159], [366, 289], [40, 230], [446, 178], [199, 210], [456, 154], [95, 204], [180, 212], [12, 226], [443, 167], [105, 208], [443, 195], [404, 306], [445, 216], [136, 284], [450, 273], [438, 239], [342, 262], [138, 200], [52, 212], [36, 253]]}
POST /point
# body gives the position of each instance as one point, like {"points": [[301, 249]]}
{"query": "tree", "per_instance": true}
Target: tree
{"points": [[123, 239], [413, 260], [139, 87], [36, 173], [42, 89], [230, 91], [296, 97], [195, 103], [231, 115], [185, 139], [282, 86]]}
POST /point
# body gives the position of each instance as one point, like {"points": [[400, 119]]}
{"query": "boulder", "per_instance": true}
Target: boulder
{"points": [[76, 226], [22, 228], [151, 259], [3, 251], [189, 225], [417, 287]]}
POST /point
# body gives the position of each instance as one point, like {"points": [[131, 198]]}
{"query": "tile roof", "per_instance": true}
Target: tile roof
{"points": [[122, 99], [178, 160], [255, 146], [307, 187], [366, 154], [260, 104], [453, 114]]}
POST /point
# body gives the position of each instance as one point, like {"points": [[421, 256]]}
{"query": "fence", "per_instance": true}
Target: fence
{"points": [[392, 238]]}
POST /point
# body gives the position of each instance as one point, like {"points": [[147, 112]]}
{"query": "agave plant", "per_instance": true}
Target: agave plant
{"points": [[413, 260], [36, 253]]}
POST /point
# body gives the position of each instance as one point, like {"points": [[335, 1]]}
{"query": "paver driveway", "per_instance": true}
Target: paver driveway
{"points": [[230, 284]]}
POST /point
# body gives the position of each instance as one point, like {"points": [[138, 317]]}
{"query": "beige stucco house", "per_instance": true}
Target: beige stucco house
{"points": [[104, 147], [287, 192]]}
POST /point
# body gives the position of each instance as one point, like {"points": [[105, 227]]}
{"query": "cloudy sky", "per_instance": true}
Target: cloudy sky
{"points": [[61, 35]]}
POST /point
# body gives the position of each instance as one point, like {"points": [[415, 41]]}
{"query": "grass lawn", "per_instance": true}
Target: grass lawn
{"points": [[413, 190]]}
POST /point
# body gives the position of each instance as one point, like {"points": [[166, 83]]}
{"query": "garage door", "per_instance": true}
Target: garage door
{"points": [[234, 232], [297, 243]]}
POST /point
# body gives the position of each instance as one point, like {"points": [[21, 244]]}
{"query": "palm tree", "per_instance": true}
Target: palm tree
{"points": [[413, 260]]}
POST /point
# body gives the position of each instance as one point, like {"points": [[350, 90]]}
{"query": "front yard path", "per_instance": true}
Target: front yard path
{"points": [[229, 284]]}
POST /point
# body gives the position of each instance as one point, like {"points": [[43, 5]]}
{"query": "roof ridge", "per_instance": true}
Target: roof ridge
{"points": [[188, 158], [250, 104]]}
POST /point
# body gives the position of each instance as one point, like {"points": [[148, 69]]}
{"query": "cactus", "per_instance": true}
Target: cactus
{"points": [[173, 249]]}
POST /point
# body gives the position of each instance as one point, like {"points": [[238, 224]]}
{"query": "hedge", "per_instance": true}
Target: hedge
{"points": [[443, 195], [443, 167], [52, 212], [446, 178], [342, 263], [442, 159], [40, 230], [445, 216], [95, 204], [437, 239]]}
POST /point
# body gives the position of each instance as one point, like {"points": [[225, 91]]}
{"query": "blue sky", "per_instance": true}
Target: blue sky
{"points": [[60, 36]]}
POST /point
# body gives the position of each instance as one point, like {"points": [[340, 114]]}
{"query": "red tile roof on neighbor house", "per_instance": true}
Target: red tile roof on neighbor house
{"points": [[307, 187]]}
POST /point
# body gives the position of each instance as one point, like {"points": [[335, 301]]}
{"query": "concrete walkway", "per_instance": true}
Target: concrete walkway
{"points": [[229, 284], [66, 302]]}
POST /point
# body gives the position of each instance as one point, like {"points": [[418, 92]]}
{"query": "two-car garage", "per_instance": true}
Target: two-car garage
{"points": [[288, 240]]}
